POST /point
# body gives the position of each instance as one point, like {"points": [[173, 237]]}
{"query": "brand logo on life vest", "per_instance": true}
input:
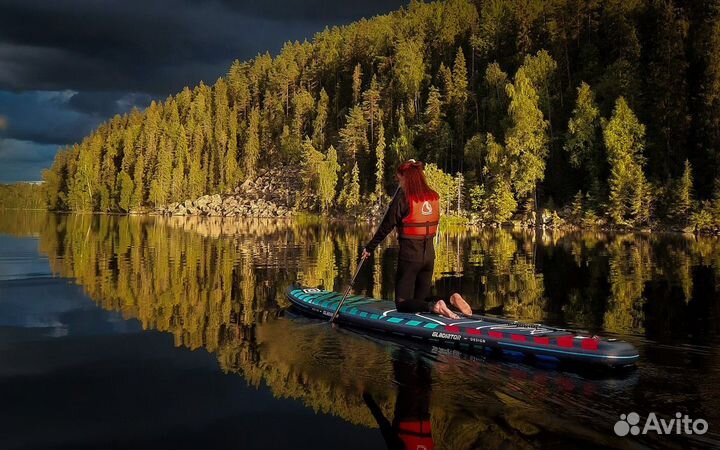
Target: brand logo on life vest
{"points": [[426, 208]]}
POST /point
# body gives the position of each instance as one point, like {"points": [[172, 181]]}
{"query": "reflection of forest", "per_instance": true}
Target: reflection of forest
{"points": [[217, 284]]}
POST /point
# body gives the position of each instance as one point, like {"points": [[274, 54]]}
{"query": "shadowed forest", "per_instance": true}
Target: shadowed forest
{"points": [[609, 107]]}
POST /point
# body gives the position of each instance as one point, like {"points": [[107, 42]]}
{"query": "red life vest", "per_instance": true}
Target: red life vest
{"points": [[422, 221], [416, 435]]}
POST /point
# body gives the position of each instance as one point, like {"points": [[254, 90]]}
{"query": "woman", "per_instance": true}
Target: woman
{"points": [[415, 212]]}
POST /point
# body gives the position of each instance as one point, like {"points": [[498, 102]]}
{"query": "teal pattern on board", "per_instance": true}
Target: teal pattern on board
{"points": [[469, 333]]}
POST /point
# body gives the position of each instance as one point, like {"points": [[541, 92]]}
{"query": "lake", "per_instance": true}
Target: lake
{"points": [[151, 332]]}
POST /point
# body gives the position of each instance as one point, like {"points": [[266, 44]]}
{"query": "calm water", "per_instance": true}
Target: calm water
{"points": [[150, 332]]}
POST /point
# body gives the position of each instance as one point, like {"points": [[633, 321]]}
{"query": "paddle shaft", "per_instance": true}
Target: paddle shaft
{"points": [[362, 260]]}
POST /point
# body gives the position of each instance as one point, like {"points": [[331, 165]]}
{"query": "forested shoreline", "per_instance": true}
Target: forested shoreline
{"points": [[610, 108]]}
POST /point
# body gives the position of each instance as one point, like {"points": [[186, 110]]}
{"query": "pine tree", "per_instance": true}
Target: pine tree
{"points": [[526, 140], [409, 70], [582, 139], [353, 136], [371, 106], [303, 104], [624, 138], [320, 121], [232, 170], [352, 198], [357, 83], [252, 145], [221, 121], [328, 178], [178, 185], [160, 184], [459, 96], [380, 164], [403, 142], [680, 208], [126, 190], [138, 196]]}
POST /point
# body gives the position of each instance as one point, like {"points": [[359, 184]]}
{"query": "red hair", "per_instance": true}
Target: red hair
{"points": [[414, 184]]}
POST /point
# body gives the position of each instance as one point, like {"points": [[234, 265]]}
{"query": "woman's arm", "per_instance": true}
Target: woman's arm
{"points": [[392, 218]]}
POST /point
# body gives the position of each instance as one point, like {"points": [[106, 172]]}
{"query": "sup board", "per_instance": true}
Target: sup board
{"points": [[469, 333]]}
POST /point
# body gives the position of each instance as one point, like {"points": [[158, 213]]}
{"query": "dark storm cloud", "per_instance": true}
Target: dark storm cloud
{"points": [[99, 58], [117, 45]]}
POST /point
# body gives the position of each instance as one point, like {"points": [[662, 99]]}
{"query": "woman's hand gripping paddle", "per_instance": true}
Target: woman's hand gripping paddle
{"points": [[364, 256]]}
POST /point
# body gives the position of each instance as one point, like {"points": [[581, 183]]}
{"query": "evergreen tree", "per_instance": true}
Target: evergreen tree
{"points": [[371, 106], [126, 191], [459, 95], [350, 195], [252, 145], [582, 139], [221, 121], [526, 140], [328, 178], [232, 170], [356, 83], [403, 143], [409, 70], [178, 185], [380, 163], [320, 121], [682, 204], [624, 138], [353, 136], [160, 184], [138, 196]]}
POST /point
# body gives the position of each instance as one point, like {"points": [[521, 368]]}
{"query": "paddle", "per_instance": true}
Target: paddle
{"points": [[362, 260]]}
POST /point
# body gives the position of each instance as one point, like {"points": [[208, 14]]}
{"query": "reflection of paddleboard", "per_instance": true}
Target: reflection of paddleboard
{"points": [[470, 333]]}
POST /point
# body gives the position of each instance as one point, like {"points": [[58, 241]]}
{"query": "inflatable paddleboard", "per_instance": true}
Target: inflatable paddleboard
{"points": [[469, 333]]}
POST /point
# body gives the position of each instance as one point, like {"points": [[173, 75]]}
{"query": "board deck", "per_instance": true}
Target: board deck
{"points": [[469, 333]]}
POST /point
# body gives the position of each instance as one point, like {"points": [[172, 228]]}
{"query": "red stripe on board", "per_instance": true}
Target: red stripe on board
{"points": [[495, 334], [589, 344], [518, 337], [452, 329], [565, 341], [541, 340], [474, 331]]}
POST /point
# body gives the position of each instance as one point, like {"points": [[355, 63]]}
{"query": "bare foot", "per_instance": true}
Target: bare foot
{"points": [[459, 302], [441, 308]]}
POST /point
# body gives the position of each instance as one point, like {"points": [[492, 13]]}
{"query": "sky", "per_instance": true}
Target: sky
{"points": [[68, 65]]}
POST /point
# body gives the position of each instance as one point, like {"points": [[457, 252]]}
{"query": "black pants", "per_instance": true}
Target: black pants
{"points": [[413, 279]]}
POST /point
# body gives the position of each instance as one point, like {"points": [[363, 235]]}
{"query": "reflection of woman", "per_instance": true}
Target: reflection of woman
{"points": [[410, 428], [415, 212]]}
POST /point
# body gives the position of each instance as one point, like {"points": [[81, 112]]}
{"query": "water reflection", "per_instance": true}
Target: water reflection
{"points": [[219, 285]]}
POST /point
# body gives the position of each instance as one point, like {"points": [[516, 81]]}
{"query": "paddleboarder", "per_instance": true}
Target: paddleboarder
{"points": [[415, 212]]}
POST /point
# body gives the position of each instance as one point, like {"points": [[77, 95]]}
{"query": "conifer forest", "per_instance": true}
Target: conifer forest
{"points": [[608, 108]]}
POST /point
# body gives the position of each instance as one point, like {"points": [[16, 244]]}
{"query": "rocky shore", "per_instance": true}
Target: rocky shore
{"points": [[274, 193]]}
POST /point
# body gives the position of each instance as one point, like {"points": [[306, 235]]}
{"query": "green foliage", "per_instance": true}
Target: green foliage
{"points": [[380, 164], [630, 195], [434, 78], [526, 140], [443, 184], [682, 198], [328, 178], [353, 136], [23, 196], [251, 152], [350, 195]]}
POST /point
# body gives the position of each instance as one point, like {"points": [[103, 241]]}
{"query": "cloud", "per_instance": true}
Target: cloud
{"points": [[157, 46], [67, 65], [24, 160]]}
